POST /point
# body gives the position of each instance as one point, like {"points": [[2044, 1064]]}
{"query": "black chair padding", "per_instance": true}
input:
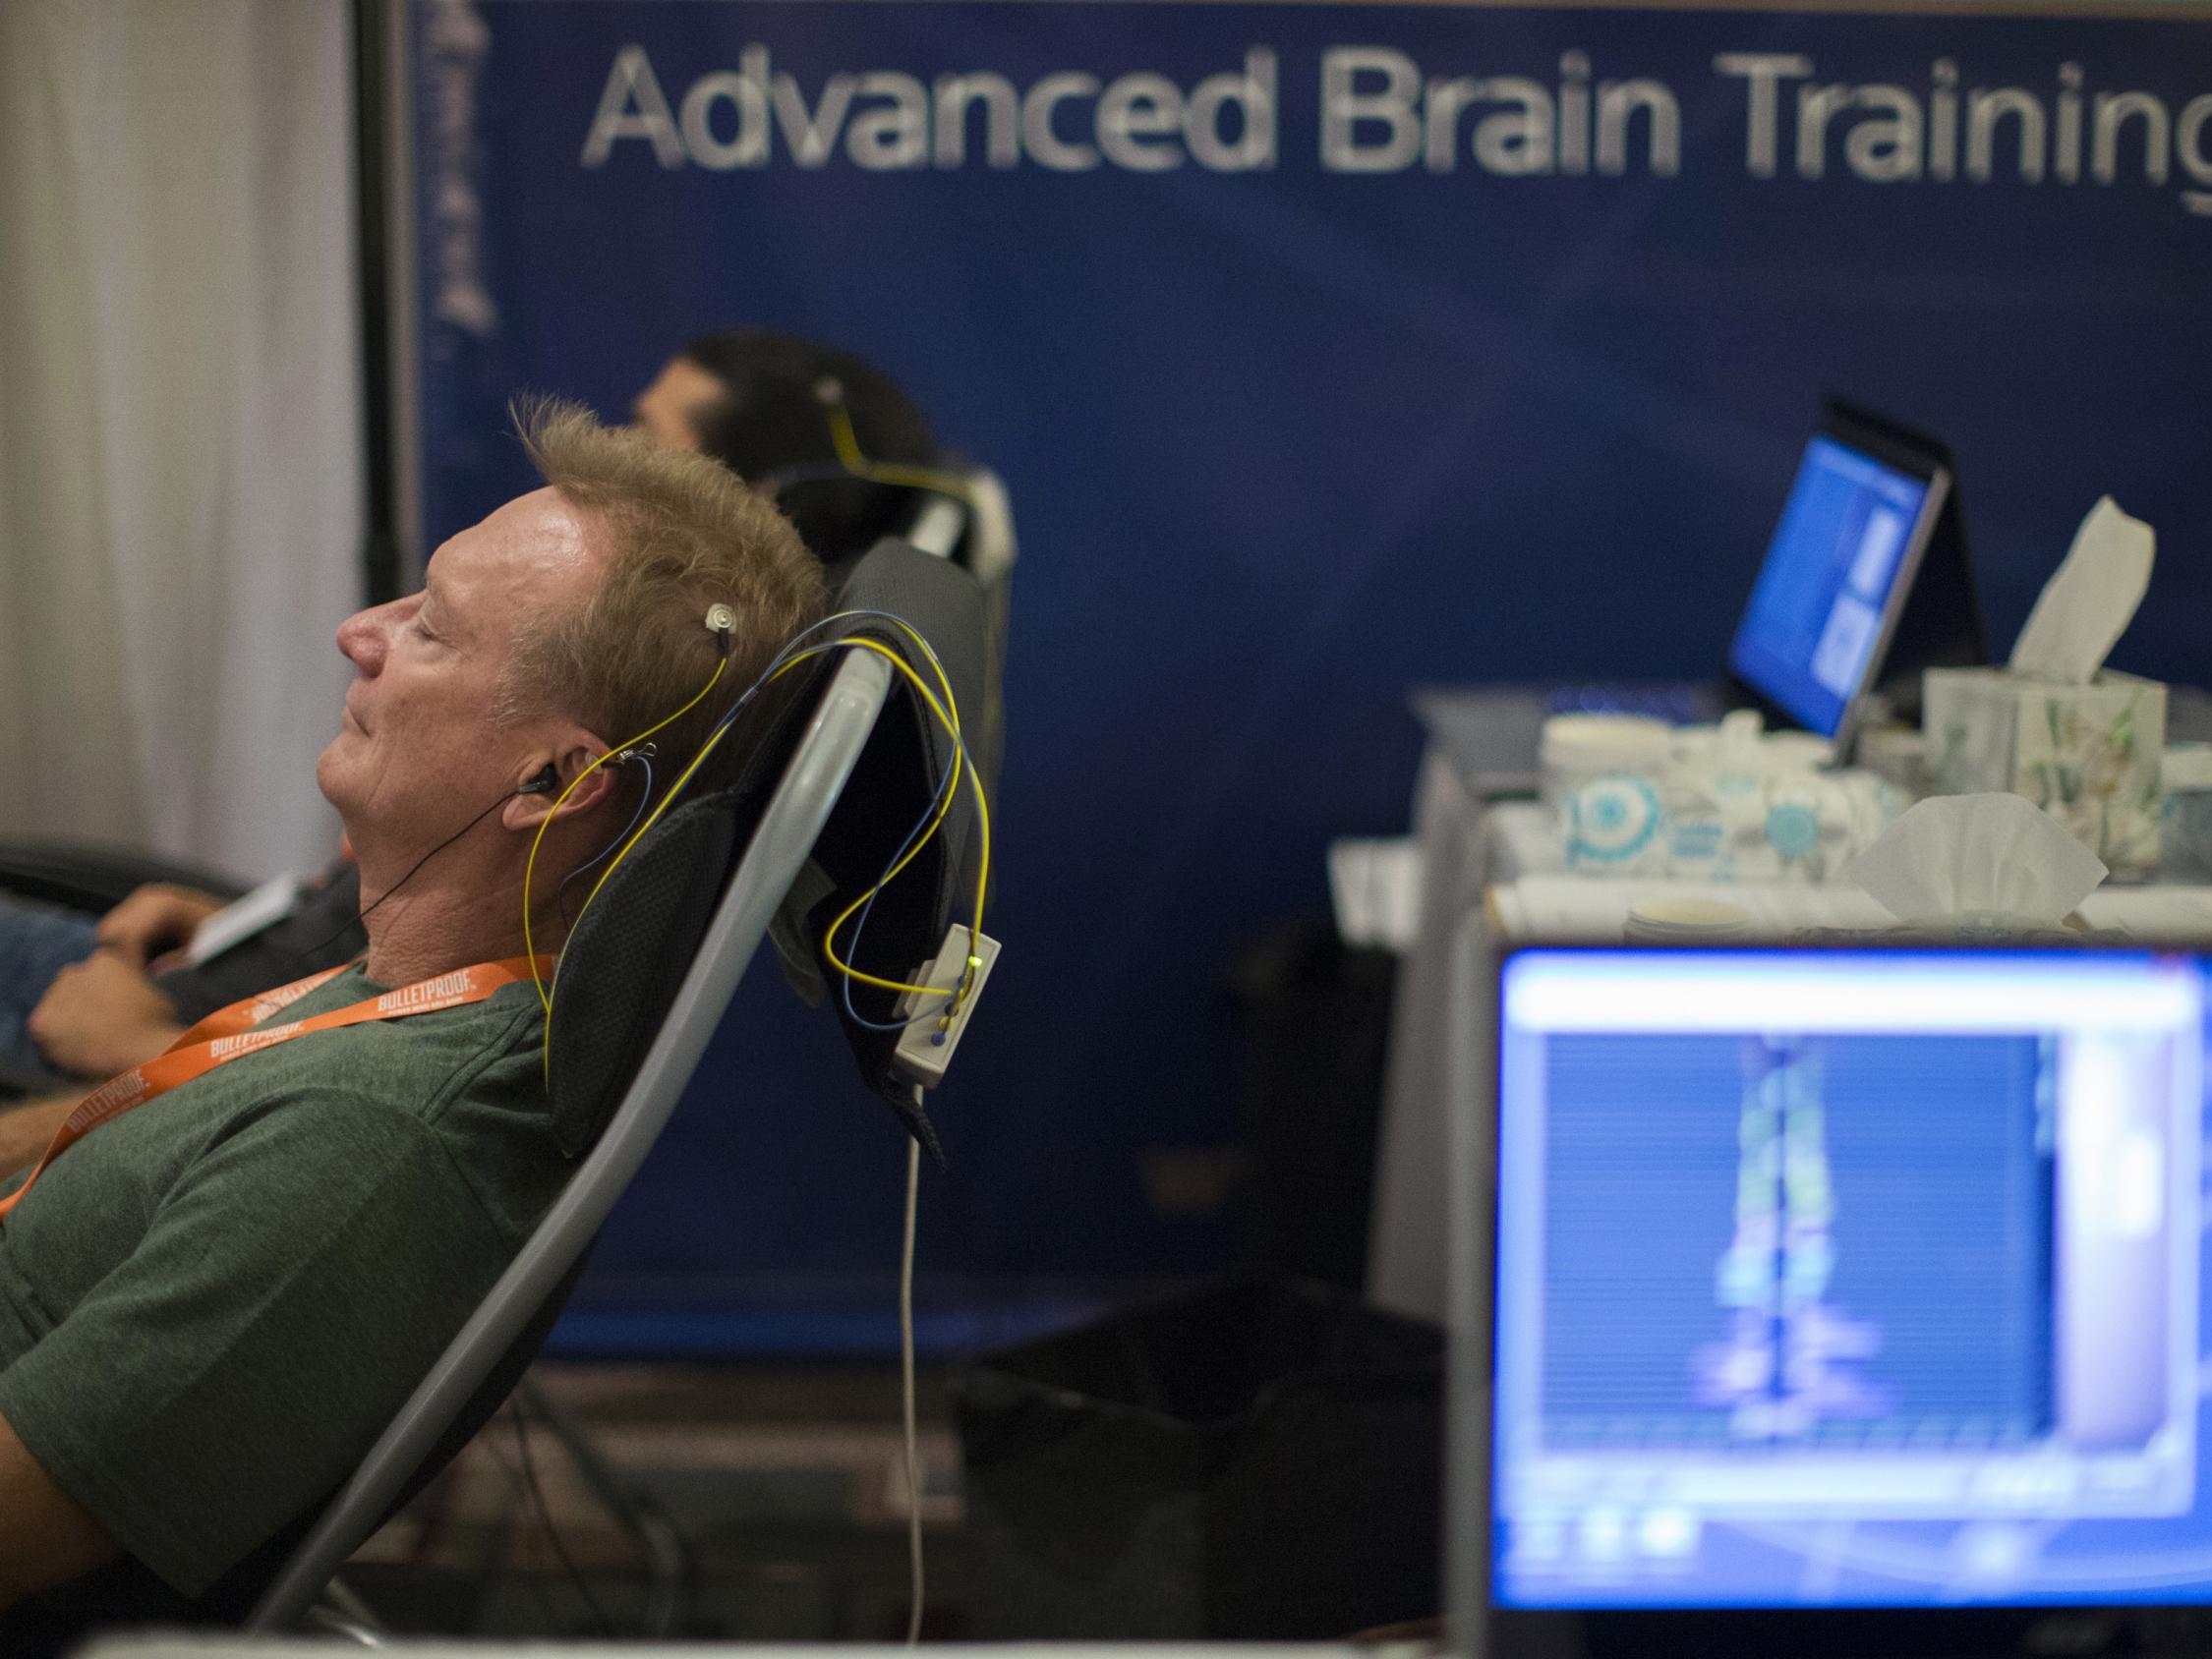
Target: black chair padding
{"points": [[87, 876], [633, 945], [982, 709], [627, 958]]}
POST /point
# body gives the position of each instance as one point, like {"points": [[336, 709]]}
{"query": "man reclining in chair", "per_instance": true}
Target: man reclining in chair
{"points": [[80, 998], [211, 1304]]}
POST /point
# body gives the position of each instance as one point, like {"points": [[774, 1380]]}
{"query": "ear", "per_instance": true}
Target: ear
{"points": [[581, 786]]}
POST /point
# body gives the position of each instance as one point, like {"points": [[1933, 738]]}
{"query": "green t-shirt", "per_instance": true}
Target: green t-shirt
{"points": [[212, 1305]]}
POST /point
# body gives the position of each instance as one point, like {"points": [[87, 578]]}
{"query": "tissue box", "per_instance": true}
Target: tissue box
{"points": [[2184, 841], [2088, 755], [1721, 823]]}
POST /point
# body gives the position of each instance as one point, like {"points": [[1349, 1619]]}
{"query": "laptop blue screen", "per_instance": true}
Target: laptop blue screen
{"points": [[1850, 1276], [1814, 615]]}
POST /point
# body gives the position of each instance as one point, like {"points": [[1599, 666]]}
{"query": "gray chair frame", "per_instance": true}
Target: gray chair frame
{"points": [[812, 780]]}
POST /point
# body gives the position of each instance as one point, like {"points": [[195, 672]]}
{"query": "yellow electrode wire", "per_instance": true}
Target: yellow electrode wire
{"points": [[983, 818], [951, 723], [848, 444], [530, 868]]}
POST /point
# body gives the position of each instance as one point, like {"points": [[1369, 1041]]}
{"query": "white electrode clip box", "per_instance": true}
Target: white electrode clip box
{"points": [[926, 1048]]}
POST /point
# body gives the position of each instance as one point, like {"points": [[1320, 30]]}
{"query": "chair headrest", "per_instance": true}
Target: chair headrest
{"points": [[628, 955], [891, 794], [632, 947]]}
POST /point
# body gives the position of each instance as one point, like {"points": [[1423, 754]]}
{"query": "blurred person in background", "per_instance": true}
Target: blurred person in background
{"points": [[761, 404]]}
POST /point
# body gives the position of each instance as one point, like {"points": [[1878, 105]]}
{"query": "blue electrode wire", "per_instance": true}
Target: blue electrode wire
{"points": [[644, 799], [948, 782], [930, 815], [782, 661], [783, 657]]}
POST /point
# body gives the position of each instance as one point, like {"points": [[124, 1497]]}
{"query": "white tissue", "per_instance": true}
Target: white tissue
{"points": [[1977, 855], [2089, 603], [1375, 888]]}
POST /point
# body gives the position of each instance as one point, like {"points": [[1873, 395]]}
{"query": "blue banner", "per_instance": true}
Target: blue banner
{"points": [[1325, 349]]}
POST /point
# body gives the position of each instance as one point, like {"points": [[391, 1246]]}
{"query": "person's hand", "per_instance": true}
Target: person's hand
{"points": [[101, 1016], [156, 919]]}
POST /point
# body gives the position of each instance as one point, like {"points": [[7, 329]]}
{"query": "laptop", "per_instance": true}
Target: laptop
{"points": [[1865, 584], [1832, 1301]]}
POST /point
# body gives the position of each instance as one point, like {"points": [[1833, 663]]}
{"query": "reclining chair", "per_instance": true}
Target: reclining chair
{"points": [[647, 976]]}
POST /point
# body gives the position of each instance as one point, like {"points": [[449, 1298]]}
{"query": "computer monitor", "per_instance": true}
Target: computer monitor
{"points": [[1833, 1279], [1840, 570]]}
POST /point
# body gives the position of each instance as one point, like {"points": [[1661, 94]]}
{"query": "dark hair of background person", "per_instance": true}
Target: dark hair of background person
{"points": [[771, 422]]}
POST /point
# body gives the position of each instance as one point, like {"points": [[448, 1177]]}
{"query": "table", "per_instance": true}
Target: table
{"points": [[1486, 863]]}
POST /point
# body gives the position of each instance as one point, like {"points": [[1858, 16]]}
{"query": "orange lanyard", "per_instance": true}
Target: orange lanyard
{"points": [[228, 1034]]}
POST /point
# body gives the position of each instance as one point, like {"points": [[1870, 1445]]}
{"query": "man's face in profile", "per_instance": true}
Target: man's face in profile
{"points": [[420, 738], [669, 410]]}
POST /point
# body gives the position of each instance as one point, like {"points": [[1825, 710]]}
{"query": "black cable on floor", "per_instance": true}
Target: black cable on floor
{"points": [[546, 1520]]}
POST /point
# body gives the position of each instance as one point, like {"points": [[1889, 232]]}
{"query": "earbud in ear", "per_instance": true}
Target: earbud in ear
{"points": [[549, 777]]}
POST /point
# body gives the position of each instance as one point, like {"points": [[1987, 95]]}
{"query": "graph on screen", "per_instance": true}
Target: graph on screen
{"points": [[1821, 1282]]}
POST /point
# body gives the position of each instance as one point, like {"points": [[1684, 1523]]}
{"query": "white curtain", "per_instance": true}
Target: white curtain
{"points": [[180, 475]]}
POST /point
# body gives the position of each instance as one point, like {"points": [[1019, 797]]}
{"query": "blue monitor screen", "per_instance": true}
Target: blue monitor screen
{"points": [[1850, 1278], [1809, 633]]}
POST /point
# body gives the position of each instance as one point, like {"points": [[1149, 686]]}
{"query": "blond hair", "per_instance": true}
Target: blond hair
{"points": [[683, 534]]}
